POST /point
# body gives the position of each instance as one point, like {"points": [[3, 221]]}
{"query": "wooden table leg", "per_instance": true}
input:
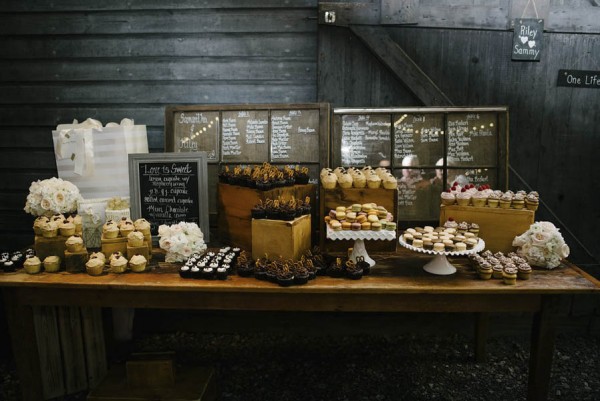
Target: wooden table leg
{"points": [[542, 348], [482, 325], [24, 346]]}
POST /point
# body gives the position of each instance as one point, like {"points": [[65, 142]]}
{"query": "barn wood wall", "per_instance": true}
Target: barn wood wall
{"points": [[110, 59], [554, 131]]}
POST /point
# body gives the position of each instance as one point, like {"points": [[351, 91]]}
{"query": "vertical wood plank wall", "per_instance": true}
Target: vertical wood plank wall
{"points": [[554, 131], [111, 59]]}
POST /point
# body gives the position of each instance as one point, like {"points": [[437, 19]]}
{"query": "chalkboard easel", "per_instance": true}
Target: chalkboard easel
{"points": [[168, 188]]}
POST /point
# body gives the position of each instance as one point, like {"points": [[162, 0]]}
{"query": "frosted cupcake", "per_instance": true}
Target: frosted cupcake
{"points": [[479, 198], [38, 223], [463, 198], [66, 228], [506, 200], [373, 181], [358, 179], [382, 172], [94, 267], [98, 255], [510, 274], [518, 201], [118, 264], [448, 198], [74, 243], [493, 199], [52, 264], [532, 202], [50, 229], [77, 220], [110, 230], [142, 225], [137, 263], [329, 181], [345, 180], [125, 228], [389, 182], [135, 239], [32, 265]]}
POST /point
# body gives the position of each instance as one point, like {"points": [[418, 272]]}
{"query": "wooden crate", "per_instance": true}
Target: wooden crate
{"points": [[331, 198], [235, 204], [50, 247], [289, 239], [111, 245], [498, 227]]}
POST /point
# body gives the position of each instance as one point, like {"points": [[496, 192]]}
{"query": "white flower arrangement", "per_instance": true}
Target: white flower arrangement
{"points": [[181, 241], [542, 245], [51, 196]]}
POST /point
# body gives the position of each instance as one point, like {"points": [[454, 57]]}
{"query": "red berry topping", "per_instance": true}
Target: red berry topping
{"points": [[450, 218], [455, 183], [463, 190]]}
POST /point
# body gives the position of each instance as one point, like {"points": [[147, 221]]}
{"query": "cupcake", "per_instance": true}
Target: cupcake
{"points": [[78, 222], [373, 181], [336, 269], [510, 275], [358, 179], [38, 223], [448, 198], [345, 180], [50, 229], [389, 182], [135, 239], [463, 198], [493, 199], [94, 267], [114, 255], [118, 264], [66, 228], [125, 228], [142, 225], [137, 263], [57, 217], [329, 181], [497, 270], [485, 271], [524, 271], [110, 230], [98, 255], [518, 201], [474, 229], [74, 243], [532, 202], [506, 200], [479, 198], [32, 265], [52, 264], [353, 271]]}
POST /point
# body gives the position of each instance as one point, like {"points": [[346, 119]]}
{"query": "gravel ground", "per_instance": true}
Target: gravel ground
{"points": [[293, 367]]}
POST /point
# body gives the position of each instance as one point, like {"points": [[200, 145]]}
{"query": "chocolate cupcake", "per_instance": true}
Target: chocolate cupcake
{"points": [[336, 269], [353, 271]]}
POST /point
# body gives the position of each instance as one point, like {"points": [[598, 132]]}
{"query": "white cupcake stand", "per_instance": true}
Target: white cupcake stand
{"points": [[359, 238], [439, 264]]}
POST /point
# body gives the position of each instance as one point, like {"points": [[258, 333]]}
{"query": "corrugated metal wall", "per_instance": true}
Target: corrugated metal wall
{"points": [[111, 59]]}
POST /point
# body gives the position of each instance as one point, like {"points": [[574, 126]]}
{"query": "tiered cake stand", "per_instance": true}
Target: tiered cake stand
{"points": [[359, 238], [440, 264]]}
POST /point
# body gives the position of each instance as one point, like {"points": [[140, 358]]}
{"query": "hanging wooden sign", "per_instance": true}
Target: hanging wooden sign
{"points": [[579, 79], [528, 39]]}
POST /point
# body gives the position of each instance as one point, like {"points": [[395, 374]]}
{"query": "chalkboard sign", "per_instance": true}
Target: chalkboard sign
{"points": [[366, 140], [244, 135], [167, 188], [197, 131], [472, 139], [418, 139], [528, 39], [294, 136]]}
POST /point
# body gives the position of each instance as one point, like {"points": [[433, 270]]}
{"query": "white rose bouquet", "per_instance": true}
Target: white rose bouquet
{"points": [[181, 241], [542, 245], [51, 196]]}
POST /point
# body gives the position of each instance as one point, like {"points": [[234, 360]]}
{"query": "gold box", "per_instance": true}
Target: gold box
{"points": [[289, 239], [75, 261], [497, 227], [112, 245]]}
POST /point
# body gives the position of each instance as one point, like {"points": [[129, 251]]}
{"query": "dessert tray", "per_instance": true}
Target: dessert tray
{"points": [[359, 238], [439, 264]]}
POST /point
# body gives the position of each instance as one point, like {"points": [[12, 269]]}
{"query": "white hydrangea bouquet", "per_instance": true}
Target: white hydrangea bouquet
{"points": [[51, 196], [181, 240], [542, 245]]}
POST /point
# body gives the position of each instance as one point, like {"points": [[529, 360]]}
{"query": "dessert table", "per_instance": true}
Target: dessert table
{"points": [[397, 284]]}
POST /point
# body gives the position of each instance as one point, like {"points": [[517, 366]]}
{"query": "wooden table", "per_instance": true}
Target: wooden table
{"points": [[397, 284]]}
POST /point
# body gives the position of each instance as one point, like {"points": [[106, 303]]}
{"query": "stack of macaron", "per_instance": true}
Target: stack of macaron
{"points": [[443, 239], [356, 217]]}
